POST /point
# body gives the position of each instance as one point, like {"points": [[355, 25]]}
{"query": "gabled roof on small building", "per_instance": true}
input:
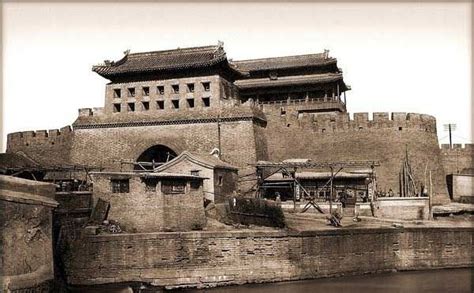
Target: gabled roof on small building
{"points": [[151, 174], [209, 161], [176, 59]]}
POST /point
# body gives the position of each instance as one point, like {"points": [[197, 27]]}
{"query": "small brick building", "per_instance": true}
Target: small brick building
{"points": [[223, 176], [151, 202]]}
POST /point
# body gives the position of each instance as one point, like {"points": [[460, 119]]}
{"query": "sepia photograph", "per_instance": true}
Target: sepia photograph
{"points": [[229, 147]]}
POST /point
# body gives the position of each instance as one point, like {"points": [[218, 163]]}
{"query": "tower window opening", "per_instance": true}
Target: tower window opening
{"points": [[146, 106], [190, 103], [146, 91], [160, 105], [131, 92], [175, 104], [206, 86], [117, 108], [206, 102], [131, 107], [282, 111], [190, 87], [160, 90], [175, 88], [400, 128], [117, 93]]}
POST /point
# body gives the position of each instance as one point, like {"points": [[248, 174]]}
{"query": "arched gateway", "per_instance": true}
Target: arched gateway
{"points": [[157, 154]]}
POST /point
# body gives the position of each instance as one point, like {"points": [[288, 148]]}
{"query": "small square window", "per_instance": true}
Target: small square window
{"points": [[117, 93], [117, 108], [146, 106], [173, 186], [146, 90], [195, 184], [190, 87], [206, 86], [160, 90], [195, 172], [150, 184], [175, 104], [131, 107], [131, 92], [190, 103], [120, 185], [160, 105], [206, 102], [175, 88]]}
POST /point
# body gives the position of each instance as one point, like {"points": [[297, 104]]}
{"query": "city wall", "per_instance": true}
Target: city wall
{"points": [[457, 158], [46, 147], [337, 137], [205, 259], [281, 132]]}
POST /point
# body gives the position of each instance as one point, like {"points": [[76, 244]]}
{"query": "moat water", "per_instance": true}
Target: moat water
{"points": [[449, 280], [445, 281]]}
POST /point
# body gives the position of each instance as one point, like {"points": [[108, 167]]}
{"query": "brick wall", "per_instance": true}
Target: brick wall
{"points": [[26, 254], [336, 137], [415, 208], [154, 95], [457, 158], [150, 211], [46, 147], [203, 259]]}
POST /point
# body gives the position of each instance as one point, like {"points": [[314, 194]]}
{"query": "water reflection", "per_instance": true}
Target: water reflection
{"points": [[452, 280]]}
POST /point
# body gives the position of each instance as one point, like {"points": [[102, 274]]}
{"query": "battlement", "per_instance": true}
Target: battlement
{"points": [[38, 137], [86, 112], [457, 147], [334, 121]]}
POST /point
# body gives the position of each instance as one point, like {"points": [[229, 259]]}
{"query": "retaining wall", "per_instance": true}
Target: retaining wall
{"points": [[203, 259]]}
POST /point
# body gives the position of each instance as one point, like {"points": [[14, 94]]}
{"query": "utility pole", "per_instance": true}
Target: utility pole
{"points": [[450, 127]]}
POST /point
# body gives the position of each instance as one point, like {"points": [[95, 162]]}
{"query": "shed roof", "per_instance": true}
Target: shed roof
{"points": [[360, 174], [16, 161], [205, 161], [184, 58]]}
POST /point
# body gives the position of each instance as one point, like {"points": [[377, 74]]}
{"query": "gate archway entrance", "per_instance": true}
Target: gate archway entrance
{"points": [[157, 154]]}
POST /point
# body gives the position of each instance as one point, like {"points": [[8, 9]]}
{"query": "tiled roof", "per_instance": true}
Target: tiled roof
{"points": [[283, 62], [288, 80], [162, 60]]}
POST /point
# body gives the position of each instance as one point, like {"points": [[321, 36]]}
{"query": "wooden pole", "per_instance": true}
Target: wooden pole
{"points": [[330, 191], [430, 200]]}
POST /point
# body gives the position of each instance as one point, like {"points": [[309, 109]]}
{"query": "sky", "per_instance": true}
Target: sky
{"points": [[397, 57]]}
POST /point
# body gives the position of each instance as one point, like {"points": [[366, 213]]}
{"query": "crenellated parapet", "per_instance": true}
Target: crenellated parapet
{"points": [[337, 122], [39, 137], [457, 147]]}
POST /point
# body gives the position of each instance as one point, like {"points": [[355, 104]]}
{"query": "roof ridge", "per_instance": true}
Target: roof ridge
{"points": [[321, 54], [172, 51]]}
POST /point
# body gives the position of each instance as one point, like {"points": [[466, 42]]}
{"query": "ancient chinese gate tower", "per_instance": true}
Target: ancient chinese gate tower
{"points": [[159, 104]]}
